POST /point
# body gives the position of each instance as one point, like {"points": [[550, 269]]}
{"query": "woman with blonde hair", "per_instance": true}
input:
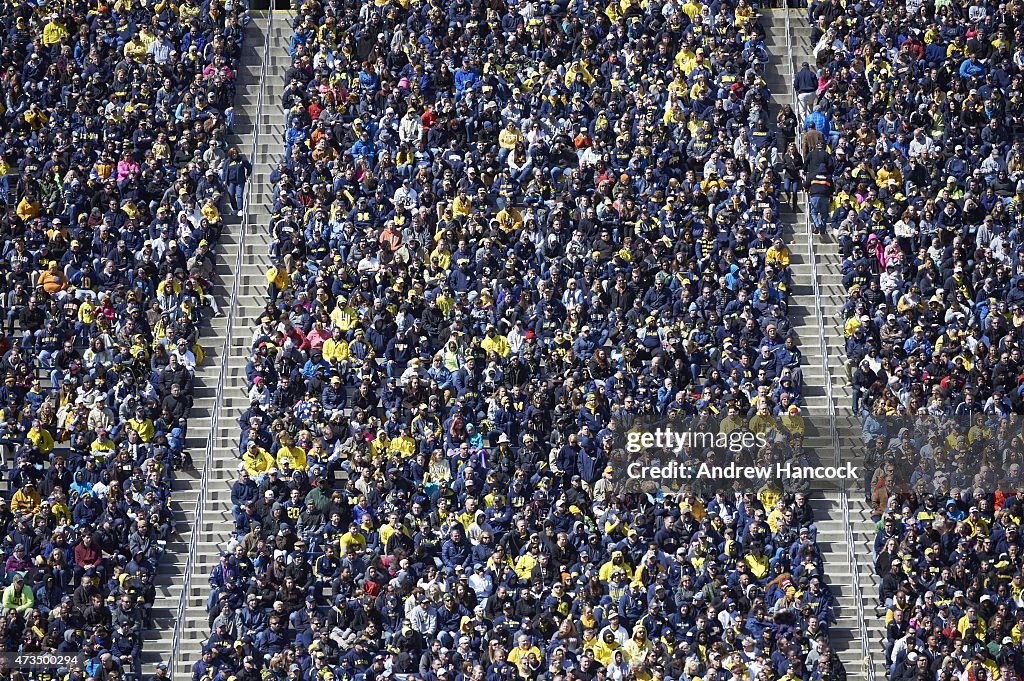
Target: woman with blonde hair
{"points": [[693, 669], [439, 472]]}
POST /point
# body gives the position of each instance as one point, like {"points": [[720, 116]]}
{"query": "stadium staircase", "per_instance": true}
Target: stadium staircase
{"points": [[843, 519], [183, 622], [159, 642]]}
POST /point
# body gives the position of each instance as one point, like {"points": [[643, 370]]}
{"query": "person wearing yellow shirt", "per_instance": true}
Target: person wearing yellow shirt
{"points": [[686, 62], [742, 13], [40, 437], [26, 500], [53, 32], [142, 425], [712, 183], [392, 527], [257, 461], [509, 218], [27, 210], [979, 525], [886, 173], [291, 453], [442, 255], [494, 342], [352, 542], [768, 494], [468, 514], [404, 157], [777, 515], [617, 562], [691, 8], [979, 432], [188, 10], [135, 49], [335, 348], [956, 49], [510, 137], [5, 181], [732, 421], [909, 301], [674, 114], [210, 212], [757, 562], [693, 505], [605, 649], [52, 279], [521, 653], [990, 666], [404, 445], [61, 513], [102, 446], [146, 35], [328, 33], [462, 205], [971, 622], [648, 570], [777, 255], [499, 561], [162, 5], [762, 421], [578, 69], [168, 286], [700, 88], [378, 446], [793, 422], [900, 604], [1017, 633], [637, 649], [526, 562], [277, 281], [36, 117], [344, 316]]}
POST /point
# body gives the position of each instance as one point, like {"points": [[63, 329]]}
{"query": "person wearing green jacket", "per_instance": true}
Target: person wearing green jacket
{"points": [[18, 596]]}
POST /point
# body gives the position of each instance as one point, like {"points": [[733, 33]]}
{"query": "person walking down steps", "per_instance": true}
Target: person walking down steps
{"points": [[805, 82]]}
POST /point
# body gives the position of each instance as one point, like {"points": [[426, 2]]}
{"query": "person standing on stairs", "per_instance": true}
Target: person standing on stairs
{"points": [[805, 82], [235, 174], [792, 173], [819, 120], [819, 192]]}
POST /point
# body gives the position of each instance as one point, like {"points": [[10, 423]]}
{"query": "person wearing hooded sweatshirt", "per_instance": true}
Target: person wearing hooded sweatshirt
{"points": [[638, 649], [18, 596]]}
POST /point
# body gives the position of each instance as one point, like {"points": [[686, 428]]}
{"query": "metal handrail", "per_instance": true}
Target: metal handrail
{"points": [[211, 438]]}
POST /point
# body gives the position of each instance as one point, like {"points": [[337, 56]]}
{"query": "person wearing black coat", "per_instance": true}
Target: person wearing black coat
{"points": [[805, 82], [236, 171]]}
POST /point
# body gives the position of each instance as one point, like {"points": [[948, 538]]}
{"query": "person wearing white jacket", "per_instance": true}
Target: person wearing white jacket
{"points": [[410, 128]]}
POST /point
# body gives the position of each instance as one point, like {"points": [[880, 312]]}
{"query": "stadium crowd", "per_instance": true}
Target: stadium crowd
{"points": [[912, 118], [504, 234], [115, 180]]}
